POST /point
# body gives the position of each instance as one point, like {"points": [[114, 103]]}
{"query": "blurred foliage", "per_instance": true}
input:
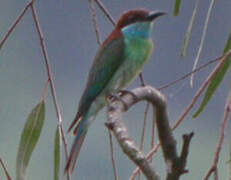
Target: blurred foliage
{"points": [[29, 138], [215, 82]]}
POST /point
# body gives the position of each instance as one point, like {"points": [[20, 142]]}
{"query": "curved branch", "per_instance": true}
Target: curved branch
{"points": [[213, 168], [175, 164], [116, 125]]}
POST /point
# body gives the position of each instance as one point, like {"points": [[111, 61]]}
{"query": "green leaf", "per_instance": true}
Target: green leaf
{"points": [[228, 44], [189, 29], [29, 138], [57, 154], [177, 7], [215, 82], [196, 61]]}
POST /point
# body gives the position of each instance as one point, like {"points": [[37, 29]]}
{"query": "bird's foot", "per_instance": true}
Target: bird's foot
{"points": [[117, 97], [123, 92]]}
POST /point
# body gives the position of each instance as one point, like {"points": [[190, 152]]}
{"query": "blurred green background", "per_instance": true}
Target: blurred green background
{"points": [[71, 45]]}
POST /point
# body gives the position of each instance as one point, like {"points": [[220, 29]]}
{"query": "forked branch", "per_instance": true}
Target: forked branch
{"points": [[221, 60], [175, 164]]}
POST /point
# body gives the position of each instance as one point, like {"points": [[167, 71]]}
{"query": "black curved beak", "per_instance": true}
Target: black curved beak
{"points": [[155, 14]]}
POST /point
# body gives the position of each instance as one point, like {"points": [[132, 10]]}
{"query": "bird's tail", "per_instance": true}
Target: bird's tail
{"points": [[80, 131]]}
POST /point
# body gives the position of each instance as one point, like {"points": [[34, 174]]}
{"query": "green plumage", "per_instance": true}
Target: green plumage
{"points": [[115, 66], [118, 61], [101, 72]]}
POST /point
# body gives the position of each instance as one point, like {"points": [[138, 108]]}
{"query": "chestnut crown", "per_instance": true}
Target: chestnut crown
{"points": [[138, 15]]}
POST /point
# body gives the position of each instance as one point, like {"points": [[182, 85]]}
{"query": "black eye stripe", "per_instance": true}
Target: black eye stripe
{"points": [[134, 18]]}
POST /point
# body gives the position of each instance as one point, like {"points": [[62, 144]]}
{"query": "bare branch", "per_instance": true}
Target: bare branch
{"points": [[153, 131], [5, 170], [18, 19], [148, 156], [144, 128], [201, 89], [185, 148], [180, 167], [45, 89], [49, 74], [175, 164], [112, 156], [141, 79], [213, 168], [105, 11], [116, 124], [190, 73], [94, 20], [222, 60]]}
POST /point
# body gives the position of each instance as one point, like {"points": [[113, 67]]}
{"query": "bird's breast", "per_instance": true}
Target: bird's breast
{"points": [[137, 52]]}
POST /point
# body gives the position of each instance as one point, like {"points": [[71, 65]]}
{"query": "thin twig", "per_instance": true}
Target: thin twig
{"points": [[105, 11], [144, 126], [141, 79], [45, 89], [153, 132], [188, 74], [145, 118], [201, 89], [12, 27], [143, 129], [5, 170], [49, 74], [202, 38], [112, 156], [94, 20], [222, 60], [213, 167], [18, 19], [216, 174]]}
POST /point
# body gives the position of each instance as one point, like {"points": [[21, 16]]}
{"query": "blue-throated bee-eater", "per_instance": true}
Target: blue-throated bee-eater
{"points": [[118, 61]]}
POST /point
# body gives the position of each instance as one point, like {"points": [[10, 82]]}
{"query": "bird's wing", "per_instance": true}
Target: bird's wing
{"points": [[107, 60], [105, 64]]}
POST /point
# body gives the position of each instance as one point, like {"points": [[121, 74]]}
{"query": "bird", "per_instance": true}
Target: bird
{"points": [[118, 61]]}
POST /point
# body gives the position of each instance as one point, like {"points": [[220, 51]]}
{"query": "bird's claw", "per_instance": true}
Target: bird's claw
{"points": [[114, 97], [123, 92]]}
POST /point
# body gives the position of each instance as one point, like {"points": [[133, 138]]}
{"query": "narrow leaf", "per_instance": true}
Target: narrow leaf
{"points": [[215, 82], [29, 138], [189, 29], [57, 154], [177, 7], [202, 39], [228, 44]]}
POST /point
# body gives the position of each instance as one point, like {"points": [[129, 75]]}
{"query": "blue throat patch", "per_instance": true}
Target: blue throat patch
{"points": [[139, 29]]}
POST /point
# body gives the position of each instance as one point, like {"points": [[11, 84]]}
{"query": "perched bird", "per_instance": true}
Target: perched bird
{"points": [[118, 61]]}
